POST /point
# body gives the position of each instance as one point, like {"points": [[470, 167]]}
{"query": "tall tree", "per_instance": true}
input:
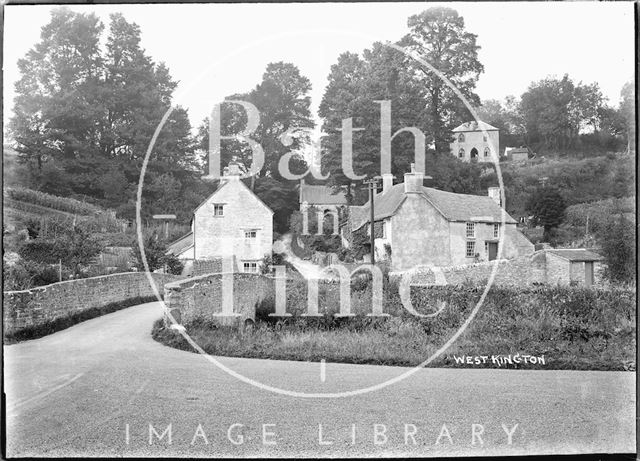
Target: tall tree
{"points": [[547, 206], [555, 111], [57, 103], [357, 85], [85, 116], [439, 37], [283, 101]]}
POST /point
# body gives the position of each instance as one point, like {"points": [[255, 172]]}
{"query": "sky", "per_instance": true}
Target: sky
{"points": [[215, 50]]}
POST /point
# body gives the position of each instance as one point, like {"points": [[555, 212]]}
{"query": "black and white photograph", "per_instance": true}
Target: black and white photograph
{"points": [[319, 229]]}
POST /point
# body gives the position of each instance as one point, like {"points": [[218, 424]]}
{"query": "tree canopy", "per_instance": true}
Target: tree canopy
{"points": [[84, 117]]}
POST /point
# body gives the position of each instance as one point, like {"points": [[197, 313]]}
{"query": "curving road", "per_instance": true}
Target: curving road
{"points": [[95, 389]]}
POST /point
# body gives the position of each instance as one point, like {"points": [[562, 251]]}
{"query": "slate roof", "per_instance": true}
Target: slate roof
{"points": [[181, 245], [322, 195], [576, 254], [454, 207], [474, 126], [519, 150]]}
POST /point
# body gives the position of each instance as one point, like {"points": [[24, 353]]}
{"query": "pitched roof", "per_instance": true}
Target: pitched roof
{"points": [[519, 150], [181, 245], [576, 254], [454, 207], [224, 182], [324, 195], [474, 126]]}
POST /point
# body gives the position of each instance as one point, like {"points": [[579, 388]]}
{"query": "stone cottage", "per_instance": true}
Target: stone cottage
{"points": [[232, 221], [470, 143], [418, 225]]}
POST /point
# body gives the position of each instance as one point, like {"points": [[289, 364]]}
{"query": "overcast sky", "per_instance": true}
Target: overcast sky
{"points": [[520, 42]]}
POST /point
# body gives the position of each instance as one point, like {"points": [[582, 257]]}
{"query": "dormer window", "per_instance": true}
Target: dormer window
{"points": [[461, 137], [218, 209]]}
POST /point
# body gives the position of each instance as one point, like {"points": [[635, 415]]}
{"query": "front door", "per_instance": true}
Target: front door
{"points": [[492, 248], [588, 273]]}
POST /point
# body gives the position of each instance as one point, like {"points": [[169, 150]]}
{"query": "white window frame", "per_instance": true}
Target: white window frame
{"points": [[470, 230], [216, 207], [496, 230], [470, 245], [248, 236], [252, 265]]}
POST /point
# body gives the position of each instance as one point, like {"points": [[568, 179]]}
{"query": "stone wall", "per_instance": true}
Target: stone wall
{"points": [[201, 298], [540, 267], [42, 305], [206, 266]]}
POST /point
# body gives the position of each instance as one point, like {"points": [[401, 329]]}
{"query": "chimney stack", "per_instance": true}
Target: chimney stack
{"points": [[413, 181], [387, 182], [494, 193], [232, 171]]}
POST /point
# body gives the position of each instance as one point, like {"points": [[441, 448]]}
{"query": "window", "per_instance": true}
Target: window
{"points": [[461, 137], [487, 152], [461, 153], [484, 138], [218, 210], [496, 231], [250, 266], [471, 249], [250, 234], [471, 230]]}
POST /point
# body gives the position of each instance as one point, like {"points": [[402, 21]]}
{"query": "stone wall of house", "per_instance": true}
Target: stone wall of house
{"points": [[201, 298], [41, 305], [416, 219], [476, 139], [221, 236]]}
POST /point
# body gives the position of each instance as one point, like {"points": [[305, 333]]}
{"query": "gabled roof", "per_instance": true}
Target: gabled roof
{"points": [[224, 182], [576, 254], [322, 195], [474, 126], [519, 150], [452, 206], [181, 245]]}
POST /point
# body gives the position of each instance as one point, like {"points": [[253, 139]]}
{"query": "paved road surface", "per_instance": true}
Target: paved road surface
{"points": [[76, 392]]}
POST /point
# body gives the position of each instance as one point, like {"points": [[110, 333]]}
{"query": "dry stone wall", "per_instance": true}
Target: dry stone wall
{"points": [[201, 298], [41, 305]]}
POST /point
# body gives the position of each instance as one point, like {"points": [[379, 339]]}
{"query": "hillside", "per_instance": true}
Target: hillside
{"points": [[22, 205], [579, 180]]}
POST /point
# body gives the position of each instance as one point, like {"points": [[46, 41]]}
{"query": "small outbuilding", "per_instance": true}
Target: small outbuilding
{"points": [[569, 265]]}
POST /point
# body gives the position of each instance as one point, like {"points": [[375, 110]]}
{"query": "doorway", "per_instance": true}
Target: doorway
{"points": [[588, 273], [474, 153], [492, 250]]}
